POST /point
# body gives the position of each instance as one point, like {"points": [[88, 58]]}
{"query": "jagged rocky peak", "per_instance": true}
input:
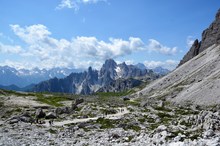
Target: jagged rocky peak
{"points": [[109, 64], [210, 36], [109, 67], [141, 66]]}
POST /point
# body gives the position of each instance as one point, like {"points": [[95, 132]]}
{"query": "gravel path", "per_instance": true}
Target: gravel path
{"points": [[122, 111]]}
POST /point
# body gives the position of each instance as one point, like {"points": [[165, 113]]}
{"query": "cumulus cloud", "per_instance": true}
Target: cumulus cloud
{"points": [[70, 4], [31, 34], [45, 51], [156, 46], [168, 64], [75, 4], [8, 49]]}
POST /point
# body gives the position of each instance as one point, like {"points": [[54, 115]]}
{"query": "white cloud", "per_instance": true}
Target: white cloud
{"points": [[156, 46], [92, 1], [168, 64], [70, 4], [6, 38], [189, 41], [129, 62], [75, 4], [45, 51], [8, 49], [31, 34]]}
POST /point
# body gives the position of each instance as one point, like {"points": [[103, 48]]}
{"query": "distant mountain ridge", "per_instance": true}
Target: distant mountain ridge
{"points": [[112, 77], [23, 77]]}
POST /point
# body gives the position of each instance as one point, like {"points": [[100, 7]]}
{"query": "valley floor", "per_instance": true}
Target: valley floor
{"points": [[106, 121]]}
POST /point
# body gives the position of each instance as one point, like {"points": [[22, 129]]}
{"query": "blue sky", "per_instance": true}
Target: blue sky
{"points": [[82, 33]]}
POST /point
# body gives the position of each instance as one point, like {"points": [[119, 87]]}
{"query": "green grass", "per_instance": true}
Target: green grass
{"points": [[154, 126], [149, 119], [133, 103], [186, 124], [108, 111], [111, 101], [185, 111], [134, 127], [105, 123], [52, 131], [142, 120], [51, 100], [162, 109], [114, 94], [11, 92], [11, 112], [163, 115]]}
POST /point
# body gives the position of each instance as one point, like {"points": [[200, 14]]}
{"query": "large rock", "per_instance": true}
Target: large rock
{"points": [[79, 101], [51, 115], [40, 113], [194, 50], [210, 36], [62, 110]]}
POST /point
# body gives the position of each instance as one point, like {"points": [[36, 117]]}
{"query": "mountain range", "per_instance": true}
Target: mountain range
{"points": [[25, 80], [23, 77], [112, 77]]}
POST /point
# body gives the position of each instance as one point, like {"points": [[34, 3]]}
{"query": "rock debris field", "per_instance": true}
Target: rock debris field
{"points": [[94, 120]]}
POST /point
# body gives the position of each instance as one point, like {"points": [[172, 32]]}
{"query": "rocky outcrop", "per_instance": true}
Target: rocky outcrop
{"points": [[120, 85], [210, 36], [194, 50], [50, 115], [40, 113]]}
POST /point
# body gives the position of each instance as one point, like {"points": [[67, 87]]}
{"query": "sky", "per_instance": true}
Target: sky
{"points": [[83, 33]]}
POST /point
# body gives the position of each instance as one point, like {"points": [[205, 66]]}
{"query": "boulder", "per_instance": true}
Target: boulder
{"points": [[13, 121], [209, 133], [26, 119], [51, 115], [126, 98], [161, 128], [115, 136], [40, 113], [79, 101], [63, 110], [74, 106], [83, 125], [26, 114]]}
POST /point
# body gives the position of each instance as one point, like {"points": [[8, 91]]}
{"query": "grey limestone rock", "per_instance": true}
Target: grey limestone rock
{"points": [[40, 113], [210, 36]]}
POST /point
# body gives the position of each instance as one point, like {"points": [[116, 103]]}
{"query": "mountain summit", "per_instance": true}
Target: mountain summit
{"points": [[210, 36]]}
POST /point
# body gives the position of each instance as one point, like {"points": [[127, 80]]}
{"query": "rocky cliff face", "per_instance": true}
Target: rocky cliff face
{"points": [[210, 36], [197, 81], [112, 77]]}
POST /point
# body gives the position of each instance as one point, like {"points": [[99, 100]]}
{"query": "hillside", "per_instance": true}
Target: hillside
{"points": [[197, 79]]}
